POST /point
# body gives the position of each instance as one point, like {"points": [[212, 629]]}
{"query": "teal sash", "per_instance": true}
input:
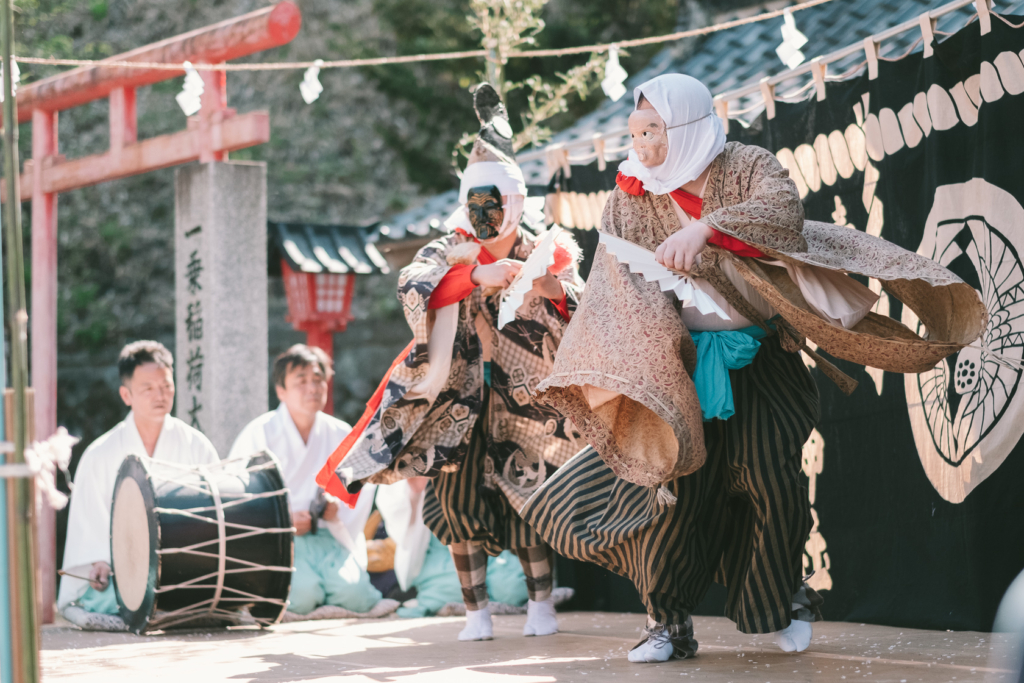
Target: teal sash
{"points": [[717, 354]]}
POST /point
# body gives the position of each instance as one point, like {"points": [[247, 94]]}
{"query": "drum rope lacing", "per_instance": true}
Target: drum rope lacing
{"points": [[222, 542], [210, 606]]}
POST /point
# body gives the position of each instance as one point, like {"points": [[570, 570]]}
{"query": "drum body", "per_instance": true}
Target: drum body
{"points": [[199, 544]]}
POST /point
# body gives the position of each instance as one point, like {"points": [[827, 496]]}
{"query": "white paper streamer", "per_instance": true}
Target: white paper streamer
{"points": [[15, 78], [310, 87], [641, 261], [535, 266], [792, 40], [614, 76], [190, 97]]}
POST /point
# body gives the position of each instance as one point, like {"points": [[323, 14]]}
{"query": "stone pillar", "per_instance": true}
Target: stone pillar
{"points": [[220, 251]]}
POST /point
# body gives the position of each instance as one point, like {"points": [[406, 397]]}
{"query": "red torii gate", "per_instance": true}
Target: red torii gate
{"points": [[209, 136]]}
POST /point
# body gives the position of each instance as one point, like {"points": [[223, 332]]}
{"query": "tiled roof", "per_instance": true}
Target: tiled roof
{"points": [[736, 57], [327, 248]]}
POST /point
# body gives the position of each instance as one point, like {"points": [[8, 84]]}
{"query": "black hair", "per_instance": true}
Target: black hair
{"points": [[138, 353], [641, 100], [300, 356]]}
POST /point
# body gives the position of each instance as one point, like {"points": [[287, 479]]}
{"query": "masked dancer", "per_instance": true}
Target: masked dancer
{"points": [[457, 406], [697, 406]]}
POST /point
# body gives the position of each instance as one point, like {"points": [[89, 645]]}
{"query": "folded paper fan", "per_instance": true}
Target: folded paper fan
{"points": [[535, 266], [641, 261]]}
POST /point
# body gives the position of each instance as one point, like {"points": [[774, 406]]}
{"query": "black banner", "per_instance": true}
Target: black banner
{"points": [[917, 481]]}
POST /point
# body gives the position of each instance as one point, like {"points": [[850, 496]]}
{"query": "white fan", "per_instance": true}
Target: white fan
{"points": [[641, 261], [535, 266]]}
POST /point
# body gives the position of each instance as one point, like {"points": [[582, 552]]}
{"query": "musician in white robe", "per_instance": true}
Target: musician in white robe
{"points": [[149, 431], [330, 546]]}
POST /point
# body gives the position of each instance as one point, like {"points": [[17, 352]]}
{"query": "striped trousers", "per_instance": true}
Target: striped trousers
{"points": [[742, 519], [475, 522]]}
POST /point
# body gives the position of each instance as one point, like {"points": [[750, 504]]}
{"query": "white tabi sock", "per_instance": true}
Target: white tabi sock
{"points": [[478, 625], [797, 636], [540, 618]]}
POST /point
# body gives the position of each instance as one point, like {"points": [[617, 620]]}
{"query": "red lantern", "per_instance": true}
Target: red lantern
{"points": [[319, 265]]}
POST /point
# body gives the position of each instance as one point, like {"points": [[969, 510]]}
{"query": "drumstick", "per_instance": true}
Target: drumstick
{"points": [[76, 576]]}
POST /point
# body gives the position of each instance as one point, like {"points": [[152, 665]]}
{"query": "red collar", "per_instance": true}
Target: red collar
{"points": [[689, 203]]}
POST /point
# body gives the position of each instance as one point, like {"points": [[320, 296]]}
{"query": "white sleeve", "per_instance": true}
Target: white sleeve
{"points": [[206, 453], [251, 439], [88, 537]]}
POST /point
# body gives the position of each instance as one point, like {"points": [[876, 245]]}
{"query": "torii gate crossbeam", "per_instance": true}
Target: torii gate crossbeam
{"points": [[209, 136]]}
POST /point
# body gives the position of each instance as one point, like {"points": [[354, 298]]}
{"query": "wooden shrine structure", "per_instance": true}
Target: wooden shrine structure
{"points": [[209, 136]]}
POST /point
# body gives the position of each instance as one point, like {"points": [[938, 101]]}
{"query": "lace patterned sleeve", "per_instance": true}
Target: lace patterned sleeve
{"points": [[760, 203]]}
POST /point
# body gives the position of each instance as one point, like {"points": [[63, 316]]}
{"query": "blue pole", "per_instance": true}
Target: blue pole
{"points": [[6, 655]]}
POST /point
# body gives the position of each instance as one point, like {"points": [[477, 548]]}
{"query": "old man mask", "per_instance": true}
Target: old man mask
{"points": [[676, 134]]}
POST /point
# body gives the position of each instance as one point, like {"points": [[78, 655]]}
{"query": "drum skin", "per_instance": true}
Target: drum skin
{"points": [[163, 489]]}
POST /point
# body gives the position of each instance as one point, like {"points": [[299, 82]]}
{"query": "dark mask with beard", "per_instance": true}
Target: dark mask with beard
{"points": [[485, 210]]}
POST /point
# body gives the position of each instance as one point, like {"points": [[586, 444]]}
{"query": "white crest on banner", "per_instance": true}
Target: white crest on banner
{"points": [[968, 414], [816, 559], [614, 76], [792, 40], [310, 87], [190, 97]]}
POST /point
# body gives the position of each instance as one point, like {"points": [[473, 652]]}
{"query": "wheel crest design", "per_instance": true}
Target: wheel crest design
{"points": [[967, 413]]}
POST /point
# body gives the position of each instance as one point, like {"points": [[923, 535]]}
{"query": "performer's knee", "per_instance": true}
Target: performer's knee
{"points": [[306, 595]]}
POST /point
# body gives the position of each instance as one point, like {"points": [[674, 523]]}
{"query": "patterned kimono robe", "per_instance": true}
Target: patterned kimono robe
{"points": [[435, 396]]}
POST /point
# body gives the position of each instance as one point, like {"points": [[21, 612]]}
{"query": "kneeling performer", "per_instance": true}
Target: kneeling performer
{"points": [[147, 387], [330, 545], [456, 406]]}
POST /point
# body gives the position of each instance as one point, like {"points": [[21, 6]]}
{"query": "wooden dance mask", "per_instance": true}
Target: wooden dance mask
{"points": [[650, 136], [486, 214]]}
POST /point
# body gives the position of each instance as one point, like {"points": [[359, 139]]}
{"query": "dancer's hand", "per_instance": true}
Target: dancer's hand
{"points": [[99, 576], [548, 287], [498, 274], [303, 522], [680, 250]]}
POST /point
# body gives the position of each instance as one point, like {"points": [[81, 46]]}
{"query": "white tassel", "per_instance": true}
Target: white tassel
{"points": [[666, 497]]}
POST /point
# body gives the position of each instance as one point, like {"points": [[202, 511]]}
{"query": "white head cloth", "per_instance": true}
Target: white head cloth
{"points": [[508, 178], [695, 134]]}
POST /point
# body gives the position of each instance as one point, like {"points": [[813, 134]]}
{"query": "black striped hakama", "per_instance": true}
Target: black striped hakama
{"points": [[458, 507], [741, 520]]}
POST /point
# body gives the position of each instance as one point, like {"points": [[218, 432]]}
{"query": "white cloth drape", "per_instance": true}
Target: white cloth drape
{"points": [[401, 508], [88, 539]]}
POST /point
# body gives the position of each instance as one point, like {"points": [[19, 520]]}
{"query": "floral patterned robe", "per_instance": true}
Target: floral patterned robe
{"points": [[627, 345]]}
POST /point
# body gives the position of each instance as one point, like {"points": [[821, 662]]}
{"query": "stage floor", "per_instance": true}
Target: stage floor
{"points": [[591, 647]]}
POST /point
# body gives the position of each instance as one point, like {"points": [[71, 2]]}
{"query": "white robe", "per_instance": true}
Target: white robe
{"points": [[88, 538], [276, 432]]}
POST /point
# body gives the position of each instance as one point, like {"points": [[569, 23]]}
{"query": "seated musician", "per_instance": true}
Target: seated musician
{"points": [[146, 369], [330, 546]]}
